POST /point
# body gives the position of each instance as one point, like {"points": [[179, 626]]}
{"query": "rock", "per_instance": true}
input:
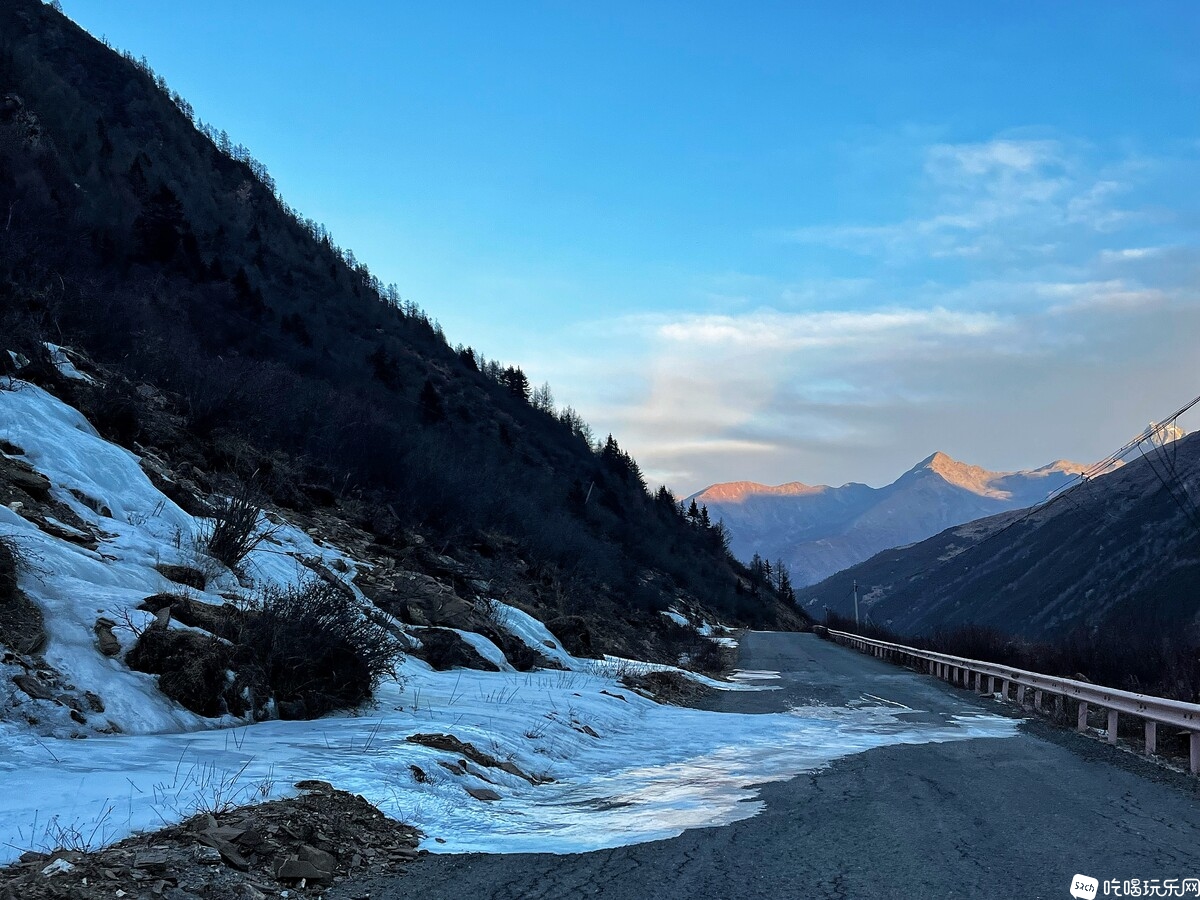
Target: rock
{"points": [[106, 641], [206, 855], [185, 575], [574, 633], [419, 775], [22, 625], [513, 769], [519, 654], [322, 859], [295, 869], [64, 532], [226, 850], [445, 649], [423, 600], [151, 861], [19, 474], [451, 744], [312, 785], [224, 621], [483, 794], [95, 704], [33, 687], [58, 867], [191, 668]]}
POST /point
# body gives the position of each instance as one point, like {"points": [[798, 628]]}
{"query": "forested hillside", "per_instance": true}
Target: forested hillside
{"points": [[276, 359]]}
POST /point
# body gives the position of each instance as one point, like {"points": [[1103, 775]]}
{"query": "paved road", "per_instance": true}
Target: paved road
{"points": [[984, 818]]}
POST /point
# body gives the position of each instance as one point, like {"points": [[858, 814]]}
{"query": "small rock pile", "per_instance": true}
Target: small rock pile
{"points": [[285, 848]]}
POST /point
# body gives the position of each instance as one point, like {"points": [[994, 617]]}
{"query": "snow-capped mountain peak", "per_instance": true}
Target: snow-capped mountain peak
{"points": [[819, 530]]}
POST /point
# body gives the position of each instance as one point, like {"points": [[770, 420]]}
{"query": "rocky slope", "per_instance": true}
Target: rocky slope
{"points": [[1117, 552], [819, 530]]}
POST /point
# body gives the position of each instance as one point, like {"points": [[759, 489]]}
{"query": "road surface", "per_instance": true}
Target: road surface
{"points": [[983, 818]]}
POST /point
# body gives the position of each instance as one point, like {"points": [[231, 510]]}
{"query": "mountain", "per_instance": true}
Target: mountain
{"points": [[1117, 552], [239, 341], [819, 530]]}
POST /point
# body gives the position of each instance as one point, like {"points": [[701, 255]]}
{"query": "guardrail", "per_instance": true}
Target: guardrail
{"points": [[990, 678]]}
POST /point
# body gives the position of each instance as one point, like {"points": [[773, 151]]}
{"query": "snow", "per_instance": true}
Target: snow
{"points": [[676, 617], [65, 366], [718, 633], [534, 634], [652, 772], [625, 769], [75, 586], [485, 648]]}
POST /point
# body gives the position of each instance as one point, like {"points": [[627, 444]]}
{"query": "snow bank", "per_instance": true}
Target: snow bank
{"points": [[139, 528], [626, 770]]}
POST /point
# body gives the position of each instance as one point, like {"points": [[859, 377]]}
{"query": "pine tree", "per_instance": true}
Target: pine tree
{"points": [[429, 403]]}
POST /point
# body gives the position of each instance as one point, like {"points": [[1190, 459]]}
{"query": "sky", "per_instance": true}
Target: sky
{"points": [[769, 242]]}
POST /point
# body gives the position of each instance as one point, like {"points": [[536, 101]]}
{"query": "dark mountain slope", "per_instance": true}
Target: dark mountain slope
{"points": [[1117, 552], [133, 233]]}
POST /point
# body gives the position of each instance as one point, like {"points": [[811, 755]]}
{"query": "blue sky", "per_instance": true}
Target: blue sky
{"points": [[769, 241]]}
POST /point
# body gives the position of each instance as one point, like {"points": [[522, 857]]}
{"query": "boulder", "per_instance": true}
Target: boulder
{"points": [[22, 476], [106, 641], [190, 667], [33, 687], [185, 575], [445, 649], [423, 600], [224, 621], [483, 794], [574, 633]]}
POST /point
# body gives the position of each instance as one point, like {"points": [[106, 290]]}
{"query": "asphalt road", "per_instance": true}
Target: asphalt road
{"points": [[983, 818]]}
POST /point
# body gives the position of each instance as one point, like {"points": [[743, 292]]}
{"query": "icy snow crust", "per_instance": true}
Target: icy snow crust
{"points": [[625, 769]]}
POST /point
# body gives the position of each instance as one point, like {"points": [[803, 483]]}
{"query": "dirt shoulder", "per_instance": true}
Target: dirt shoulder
{"points": [[297, 847]]}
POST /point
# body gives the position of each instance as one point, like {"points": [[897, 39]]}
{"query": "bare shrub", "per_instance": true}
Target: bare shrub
{"points": [[8, 571], [235, 530], [315, 649], [711, 658]]}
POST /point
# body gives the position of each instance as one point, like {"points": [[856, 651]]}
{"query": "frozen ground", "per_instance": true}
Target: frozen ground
{"points": [[625, 769], [650, 772]]}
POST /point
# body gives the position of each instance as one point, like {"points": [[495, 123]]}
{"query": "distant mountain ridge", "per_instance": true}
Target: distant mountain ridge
{"points": [[1117, 552], [818, 530]]}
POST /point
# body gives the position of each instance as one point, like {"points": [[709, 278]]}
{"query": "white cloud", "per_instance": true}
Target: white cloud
{"points": [[993, 200], [858, 331]]}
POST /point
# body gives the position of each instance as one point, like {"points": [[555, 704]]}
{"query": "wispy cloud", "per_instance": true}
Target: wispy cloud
{"points": [[1041, 300], [1001, 199], [857, 331]]}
